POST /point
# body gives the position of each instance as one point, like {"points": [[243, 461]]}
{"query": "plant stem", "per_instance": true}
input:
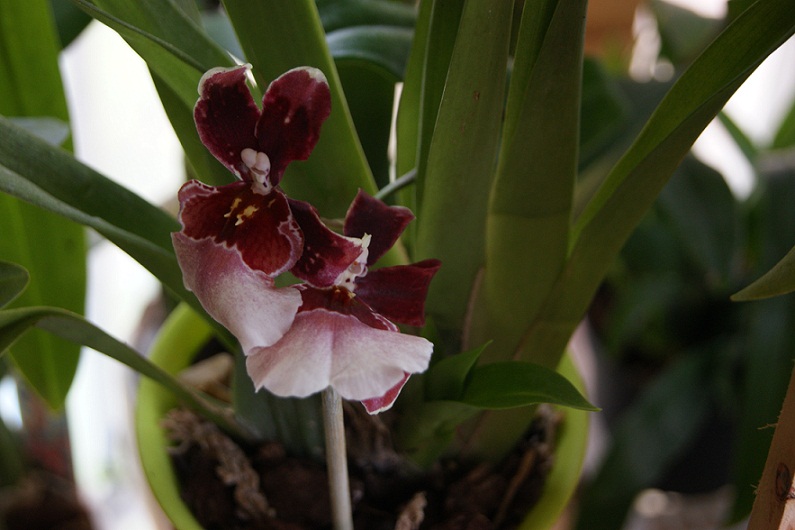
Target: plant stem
{"points": [[336, 460]]}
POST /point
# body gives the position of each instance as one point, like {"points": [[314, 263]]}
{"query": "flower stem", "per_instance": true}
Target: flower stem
{"points": [[336, 460]]}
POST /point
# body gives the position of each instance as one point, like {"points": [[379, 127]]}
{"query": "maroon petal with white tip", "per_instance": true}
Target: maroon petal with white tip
{"points": [[293, 108], [242, 299], [326, 254], [226, 116], [385, 402], [399, 292], [368, 215], [258, 225], [324, 348]]}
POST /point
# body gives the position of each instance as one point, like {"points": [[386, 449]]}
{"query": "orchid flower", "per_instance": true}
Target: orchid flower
{"points": [[343, 335], [237, 238]]}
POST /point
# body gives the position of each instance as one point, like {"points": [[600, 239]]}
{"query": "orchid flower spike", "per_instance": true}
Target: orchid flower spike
{"points": [[344, 335]]}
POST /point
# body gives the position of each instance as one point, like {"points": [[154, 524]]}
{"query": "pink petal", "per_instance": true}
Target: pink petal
{"points": [[399, 292], [324, 348], [385, 402], [368, 215], [260, 226], [293, 108], [242, 299], [326, 254], [226, 116]]}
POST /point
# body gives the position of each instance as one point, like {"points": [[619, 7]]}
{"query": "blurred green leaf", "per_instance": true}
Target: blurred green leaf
{"points": [[651, 433], [69, 20], [337, 14], [777, 281], [746, 145], [370, 61], [53, 131], [683, 32], [768, 336], [604, 112], [386, 47], [699, 203], [13, 280], [428, 431], [785, 136], [636, 180]]}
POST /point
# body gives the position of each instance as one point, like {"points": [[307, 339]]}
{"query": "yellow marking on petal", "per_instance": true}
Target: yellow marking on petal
{"points": [[247, 213], [234, 206]]}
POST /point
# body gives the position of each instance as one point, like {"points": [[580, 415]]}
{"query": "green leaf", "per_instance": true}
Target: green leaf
{"points": [[30, 87], [634, 183], [785, 136], [13, 280], [336, 14], [650, 435], [460, 163], [385, 47], [53, 131], [531, 200], [700, 205], [370, 60], [446, 379], [51, 179], [74, 328], [777, 281], [427, 432], [69, 20], [571, 444], [337, 168], [177, 52], [426, 71], [510, 384]]}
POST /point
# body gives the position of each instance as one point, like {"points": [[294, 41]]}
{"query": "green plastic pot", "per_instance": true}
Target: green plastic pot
{"points": [[185, 332]]}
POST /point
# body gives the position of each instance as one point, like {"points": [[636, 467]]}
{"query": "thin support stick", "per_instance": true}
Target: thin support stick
{"points": [[336, 460]]}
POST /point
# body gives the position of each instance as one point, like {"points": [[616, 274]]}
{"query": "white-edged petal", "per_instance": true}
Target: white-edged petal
{"points": [[242, 299], [325, 348]]}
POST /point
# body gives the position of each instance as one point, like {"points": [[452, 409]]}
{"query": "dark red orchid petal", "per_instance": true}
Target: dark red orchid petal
{"points": [[293, 108], [226, 116], [259, 225], [326, 254], [342, 301], [368, 215], [385, 402], [399, 292]]}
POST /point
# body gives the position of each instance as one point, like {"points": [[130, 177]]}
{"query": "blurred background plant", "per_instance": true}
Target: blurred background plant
{"points": [[664, 308]]}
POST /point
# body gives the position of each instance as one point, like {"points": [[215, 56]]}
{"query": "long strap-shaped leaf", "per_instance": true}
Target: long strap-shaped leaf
{"points": [[30, 85], [177, 52], [51, 179], [633, 184], [531, 200], [460, 165], [16, 322]]}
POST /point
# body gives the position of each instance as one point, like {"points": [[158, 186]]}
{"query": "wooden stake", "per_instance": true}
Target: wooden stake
{"points": [[774, 506]]}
